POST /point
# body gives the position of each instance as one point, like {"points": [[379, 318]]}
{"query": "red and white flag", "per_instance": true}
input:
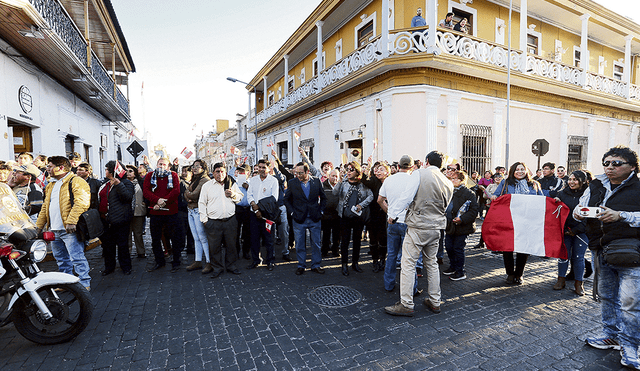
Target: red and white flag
{"points": [[270, 144], [40, 180], [186, 153], [119, 170], [526, 224], [232, 149], [268, 224], [296, 135]]}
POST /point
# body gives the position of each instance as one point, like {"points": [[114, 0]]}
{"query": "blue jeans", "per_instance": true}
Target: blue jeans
{"points": [[575, 252], [300, 235], [69, 253], [419, 264], [395, 237], [199, 235], [619, 289], [283, 230], [455, 251]]}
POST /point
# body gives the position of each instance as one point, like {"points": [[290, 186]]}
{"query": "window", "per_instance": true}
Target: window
{"points": [[577, 156], [576, 56], [69, 144], [476, 148], [87, 150], [315, 64], [458, 14], [291, 84], [365, 33], [307, 145], [618, 70], [283, 152], [532, 44], [270, 98]]}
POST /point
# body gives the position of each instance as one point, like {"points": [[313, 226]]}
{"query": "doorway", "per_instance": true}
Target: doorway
{"points": [[22, 137]]}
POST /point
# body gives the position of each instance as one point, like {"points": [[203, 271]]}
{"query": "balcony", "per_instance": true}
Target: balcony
{"points": [[531, 71]]}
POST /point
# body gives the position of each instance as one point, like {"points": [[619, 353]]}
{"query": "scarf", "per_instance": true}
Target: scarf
{"points": [[522, 188], [157, 173]]}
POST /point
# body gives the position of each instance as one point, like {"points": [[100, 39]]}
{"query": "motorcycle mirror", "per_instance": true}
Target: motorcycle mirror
{"points": [[48, 236]]}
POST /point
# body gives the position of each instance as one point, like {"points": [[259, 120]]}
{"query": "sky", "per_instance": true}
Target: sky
{"points": [[184, 51]]}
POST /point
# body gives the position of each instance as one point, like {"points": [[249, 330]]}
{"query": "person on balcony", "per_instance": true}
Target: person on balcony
{"points": [[418, 21], [462, 26], [447, 22]]}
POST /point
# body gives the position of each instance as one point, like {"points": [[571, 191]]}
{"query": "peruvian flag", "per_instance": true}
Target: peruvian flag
{"points": [[296, 135], [41, 180], [526, 224], [186, 153], [119, 170], [232, 149], [268, 224]]}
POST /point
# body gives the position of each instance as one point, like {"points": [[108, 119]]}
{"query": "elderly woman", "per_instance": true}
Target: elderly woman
{"points": [[519, 181], [354, 198]]}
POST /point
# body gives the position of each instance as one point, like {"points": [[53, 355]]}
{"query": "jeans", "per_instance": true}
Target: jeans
{"points": [[199, 235], [69, 254], [455, 251], [619, 289], [395, 237], [575, 252], [300, 233], [283, 230]]}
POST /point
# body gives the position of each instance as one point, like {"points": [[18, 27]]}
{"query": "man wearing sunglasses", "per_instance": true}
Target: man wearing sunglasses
{"points": [[617, 192]]}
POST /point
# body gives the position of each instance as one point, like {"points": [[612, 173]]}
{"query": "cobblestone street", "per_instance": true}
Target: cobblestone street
{"points": [[265, 320]]}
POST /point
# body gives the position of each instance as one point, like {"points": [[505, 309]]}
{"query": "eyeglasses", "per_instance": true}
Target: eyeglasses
{"points": [[452, 168], [351, 169], [615, 163]]}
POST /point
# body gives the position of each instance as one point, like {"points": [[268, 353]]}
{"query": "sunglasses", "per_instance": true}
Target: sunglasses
{"points": [[351, 169], [615, 163]]}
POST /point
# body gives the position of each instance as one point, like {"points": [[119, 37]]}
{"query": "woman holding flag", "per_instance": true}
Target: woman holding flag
{"points": [[519, 181]]}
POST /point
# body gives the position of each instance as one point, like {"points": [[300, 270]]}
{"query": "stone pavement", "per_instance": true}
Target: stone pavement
{"points": [[265, 320]]}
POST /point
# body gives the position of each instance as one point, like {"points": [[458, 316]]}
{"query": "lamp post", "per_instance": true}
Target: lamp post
{"points": [[255, 115]]}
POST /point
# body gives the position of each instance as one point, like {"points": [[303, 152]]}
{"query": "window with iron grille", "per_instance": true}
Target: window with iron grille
{"points": [[577, 153], [476, 148]]}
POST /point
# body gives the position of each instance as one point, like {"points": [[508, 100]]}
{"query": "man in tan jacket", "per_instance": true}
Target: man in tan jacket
{"points": [[61, 217]]}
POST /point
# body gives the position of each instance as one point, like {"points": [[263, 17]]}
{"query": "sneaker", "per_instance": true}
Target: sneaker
{"points": [[419, 272], [629, 357], [449, 271], [603, 343], [458, 276], [399, 310]]}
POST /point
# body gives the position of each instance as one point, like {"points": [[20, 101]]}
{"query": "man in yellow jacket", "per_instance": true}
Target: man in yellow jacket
{"points": [[61, 217]]}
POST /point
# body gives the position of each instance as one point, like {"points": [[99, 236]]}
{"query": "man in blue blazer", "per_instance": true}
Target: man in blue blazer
{"points": [[306, 201]]}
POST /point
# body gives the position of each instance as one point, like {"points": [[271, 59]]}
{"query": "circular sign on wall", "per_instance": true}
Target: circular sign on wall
{"points": [[24, 98]]}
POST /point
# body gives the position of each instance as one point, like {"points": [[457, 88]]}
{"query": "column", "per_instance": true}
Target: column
{"points": [[337, 152], [627, 66], [523, 34], [384, 32], [432, 23], [264, 97], [612, 133], [431, 141], [591, 122], [385, 139], [453, 101], [286, 79], [369, 132], [319, 53], [584, 53], [316, 143], [633, 139], [498, 134], [564, 137]]}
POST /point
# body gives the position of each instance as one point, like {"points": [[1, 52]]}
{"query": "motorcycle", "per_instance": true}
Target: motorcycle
{"points": [[45, 307]]}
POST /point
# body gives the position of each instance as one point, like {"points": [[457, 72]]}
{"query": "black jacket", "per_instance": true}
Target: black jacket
{"points": [[551, 184], [302, 207], [468, 225], [120, 202], [331, 209], [571, 198]]}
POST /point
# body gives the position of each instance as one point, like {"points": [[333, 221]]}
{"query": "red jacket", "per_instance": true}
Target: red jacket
{"points": [[161, 191]]}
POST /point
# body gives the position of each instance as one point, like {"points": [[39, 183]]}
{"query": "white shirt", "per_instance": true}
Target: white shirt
{"points": [[55, 217], [259, 189], [213, 204], [393, 189]]}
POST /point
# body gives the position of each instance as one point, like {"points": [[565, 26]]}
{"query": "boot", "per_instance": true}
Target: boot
{"points": [[208, 268], [579, 288], [560, 284], [194, 266], [345, 270]]}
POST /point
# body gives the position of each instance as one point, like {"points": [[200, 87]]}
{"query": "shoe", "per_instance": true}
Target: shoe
{"points": [[356, 267], [398, 266], [419, 272], [449, 271], [141, 256], [270, 266], [603, 343], [127, 272], [195, 265], [376, 267], [107, 272], [399, 310], [517, 281], [278, 241], [629, 357], [345, 270], [578, 288], [208, 268], [439, 260], [216, 274], [560, 284], [253, 265], [431, 307], [418, 292], [155, 267], [510, 279], [175, 269], [235, 271], [286, 258], [299, 271], [317, 270], [458, 276]]}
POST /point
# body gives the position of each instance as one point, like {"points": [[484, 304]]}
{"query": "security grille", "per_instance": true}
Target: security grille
{"points": [[476, 148], [577, 153]]}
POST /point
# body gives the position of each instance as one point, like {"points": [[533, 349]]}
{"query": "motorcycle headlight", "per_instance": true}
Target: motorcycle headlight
{"points": [[38, 251]]}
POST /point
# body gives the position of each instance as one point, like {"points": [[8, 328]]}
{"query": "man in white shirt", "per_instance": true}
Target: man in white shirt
{"points": [[261, 188], [217, 208]]}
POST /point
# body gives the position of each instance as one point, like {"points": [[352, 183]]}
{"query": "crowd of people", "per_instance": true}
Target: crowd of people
{"points": [[412, 212]]}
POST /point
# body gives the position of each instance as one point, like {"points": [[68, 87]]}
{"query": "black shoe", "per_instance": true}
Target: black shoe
{"points": [[175, 269], [127, 273], [356, 267], [253, 265], [141, 256], [299, 271], [318, 270], [216, 274], [107, 272], [286, 258], [345, 270], [155, 267], [270, 266], [235, 271], [376, 267], [449, 271]]}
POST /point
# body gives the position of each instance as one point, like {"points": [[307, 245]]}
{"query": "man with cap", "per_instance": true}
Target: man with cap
{"points": [[30, 195]]}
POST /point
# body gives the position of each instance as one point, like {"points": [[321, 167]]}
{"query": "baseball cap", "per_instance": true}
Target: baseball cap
{"points": [[28, 169], [405, 161]]}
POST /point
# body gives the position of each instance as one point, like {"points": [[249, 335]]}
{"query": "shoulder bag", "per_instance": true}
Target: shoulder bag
{"points": [[89, 224]]}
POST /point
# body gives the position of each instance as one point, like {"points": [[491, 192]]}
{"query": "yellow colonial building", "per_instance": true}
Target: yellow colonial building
{"points": [[356, 79]]}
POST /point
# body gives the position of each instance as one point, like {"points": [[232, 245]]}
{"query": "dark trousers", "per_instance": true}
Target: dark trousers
{"points": [[219, 231], [258, 232], [377, 228], [184, 219], [330, 233], [521, 261], [116, 234], [351, 226], [455, 251], [243, 240], [173, 231]]}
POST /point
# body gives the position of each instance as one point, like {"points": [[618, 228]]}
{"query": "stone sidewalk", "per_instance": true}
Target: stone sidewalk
{"points": [[265, 320]]}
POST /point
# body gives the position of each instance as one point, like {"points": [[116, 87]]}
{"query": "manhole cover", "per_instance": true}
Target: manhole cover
{"points": [[335, 296]]}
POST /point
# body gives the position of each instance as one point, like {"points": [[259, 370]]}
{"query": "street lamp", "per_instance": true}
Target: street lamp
{"points": [[255, 116]]}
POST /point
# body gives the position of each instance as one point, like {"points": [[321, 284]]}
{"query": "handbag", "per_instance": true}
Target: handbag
{"points": [[89, 224], [624, 252]]}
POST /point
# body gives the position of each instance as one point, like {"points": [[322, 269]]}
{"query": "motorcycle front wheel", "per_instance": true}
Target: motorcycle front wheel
{"points": [[70, 305]]}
